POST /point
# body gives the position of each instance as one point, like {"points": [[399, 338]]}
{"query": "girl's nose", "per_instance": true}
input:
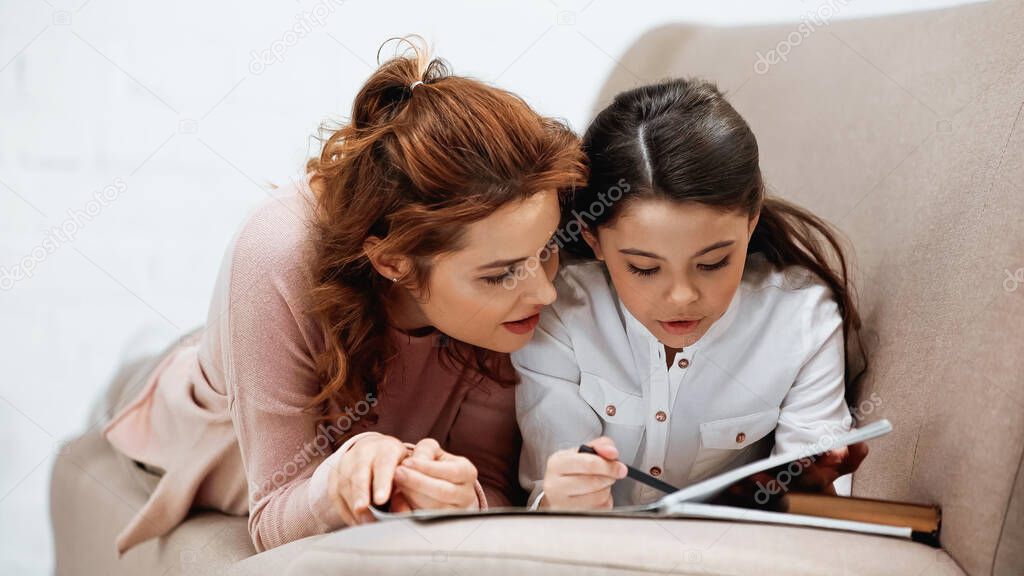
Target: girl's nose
{"points": [[682, 292]]}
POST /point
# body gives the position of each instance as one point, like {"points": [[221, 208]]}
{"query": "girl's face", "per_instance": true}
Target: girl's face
{"points": [[675, 265], [490, 292]]}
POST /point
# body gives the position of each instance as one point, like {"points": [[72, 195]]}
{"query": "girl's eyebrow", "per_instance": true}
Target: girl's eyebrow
{"points": [[635, 252], [703, 251], [715, 246]]}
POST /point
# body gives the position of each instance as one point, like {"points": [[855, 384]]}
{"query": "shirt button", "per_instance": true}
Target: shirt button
{"points": [[660, 416], [740, 438], [683, 363], [655, 471], [610, 410]]}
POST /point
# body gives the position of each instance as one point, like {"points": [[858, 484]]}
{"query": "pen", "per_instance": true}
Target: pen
{"points": [[639, 476]]}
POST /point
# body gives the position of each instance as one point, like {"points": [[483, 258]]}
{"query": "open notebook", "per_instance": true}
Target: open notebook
{"points": [[914, 521]]}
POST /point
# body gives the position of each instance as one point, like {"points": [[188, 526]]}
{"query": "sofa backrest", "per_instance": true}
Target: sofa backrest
{"points": [[907, 133]]}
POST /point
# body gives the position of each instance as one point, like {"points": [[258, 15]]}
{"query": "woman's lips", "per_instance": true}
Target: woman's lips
{"points": [[679, 328], [522, 326]]}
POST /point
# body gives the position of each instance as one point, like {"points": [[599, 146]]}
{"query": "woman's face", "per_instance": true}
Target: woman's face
{"points": [[490, 292], [675, 265]]}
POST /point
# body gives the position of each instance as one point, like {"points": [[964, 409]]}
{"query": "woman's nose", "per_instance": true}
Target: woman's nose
{"points": [[540, 291]]}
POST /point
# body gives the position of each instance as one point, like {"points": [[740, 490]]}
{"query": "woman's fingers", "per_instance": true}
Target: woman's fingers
{"points": [[366, 476], [384, 473], [455, 469], [419, 487], [356, 493], [338, 497], [418, 501], [399, 503], [427, 449]]}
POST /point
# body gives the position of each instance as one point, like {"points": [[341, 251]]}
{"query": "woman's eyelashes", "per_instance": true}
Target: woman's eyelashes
{"points": [[551, 248], [500, 278], [646, 272]]}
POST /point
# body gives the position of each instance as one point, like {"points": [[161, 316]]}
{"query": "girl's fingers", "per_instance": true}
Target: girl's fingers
{"points": [[608, 502], [605, 448], [593, 501], [574, 486], [856, 454], [833, 458], [456, 470], [574, 463]]}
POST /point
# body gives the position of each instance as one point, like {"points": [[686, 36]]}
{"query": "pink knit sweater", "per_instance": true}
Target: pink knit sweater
{"points": [[222, 412]]}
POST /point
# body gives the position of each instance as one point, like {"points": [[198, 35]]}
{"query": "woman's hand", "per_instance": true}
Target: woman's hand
{"points": [[433, 479], [368, 468], [576, 480]]}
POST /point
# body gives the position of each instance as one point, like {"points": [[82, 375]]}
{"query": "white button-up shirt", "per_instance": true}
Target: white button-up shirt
{"points": [[774, 362]]}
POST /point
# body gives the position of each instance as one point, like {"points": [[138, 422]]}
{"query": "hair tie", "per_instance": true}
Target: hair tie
{"points": [[414, 85]]}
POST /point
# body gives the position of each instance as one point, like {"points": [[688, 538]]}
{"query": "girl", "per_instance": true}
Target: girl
{"points": [[703, 322], [359, 313]]}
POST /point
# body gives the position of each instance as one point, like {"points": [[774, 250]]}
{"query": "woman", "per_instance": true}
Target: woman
{"points": [[356, 345], [703, 322]]}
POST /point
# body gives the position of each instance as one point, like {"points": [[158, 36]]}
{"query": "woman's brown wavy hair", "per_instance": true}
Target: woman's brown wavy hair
{"points": [[414, 167]]}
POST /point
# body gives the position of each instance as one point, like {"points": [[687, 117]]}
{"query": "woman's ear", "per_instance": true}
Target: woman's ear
{"points": [[388, 265], [592, 241]]}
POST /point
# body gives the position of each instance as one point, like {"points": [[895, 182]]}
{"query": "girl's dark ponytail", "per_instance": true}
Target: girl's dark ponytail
{"points": [[788, 235]]}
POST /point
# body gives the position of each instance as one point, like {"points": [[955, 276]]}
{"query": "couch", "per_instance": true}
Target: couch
{"points": [[905, 131]]}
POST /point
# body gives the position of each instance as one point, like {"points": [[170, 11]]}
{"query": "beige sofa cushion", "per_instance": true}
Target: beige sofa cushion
{"points": [[93, 495], [516, 545]]}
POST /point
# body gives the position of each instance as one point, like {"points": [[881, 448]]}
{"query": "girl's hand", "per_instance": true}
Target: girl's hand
{"points": [[819, 475], [576, 480], [368, 468], [431, 478]]}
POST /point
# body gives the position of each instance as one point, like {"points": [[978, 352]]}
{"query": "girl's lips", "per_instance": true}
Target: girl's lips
{"points": [[679, 328], [522, 326]]}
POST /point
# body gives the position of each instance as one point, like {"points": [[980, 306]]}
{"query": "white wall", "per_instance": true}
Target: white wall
{"points": [[162, 105]]}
